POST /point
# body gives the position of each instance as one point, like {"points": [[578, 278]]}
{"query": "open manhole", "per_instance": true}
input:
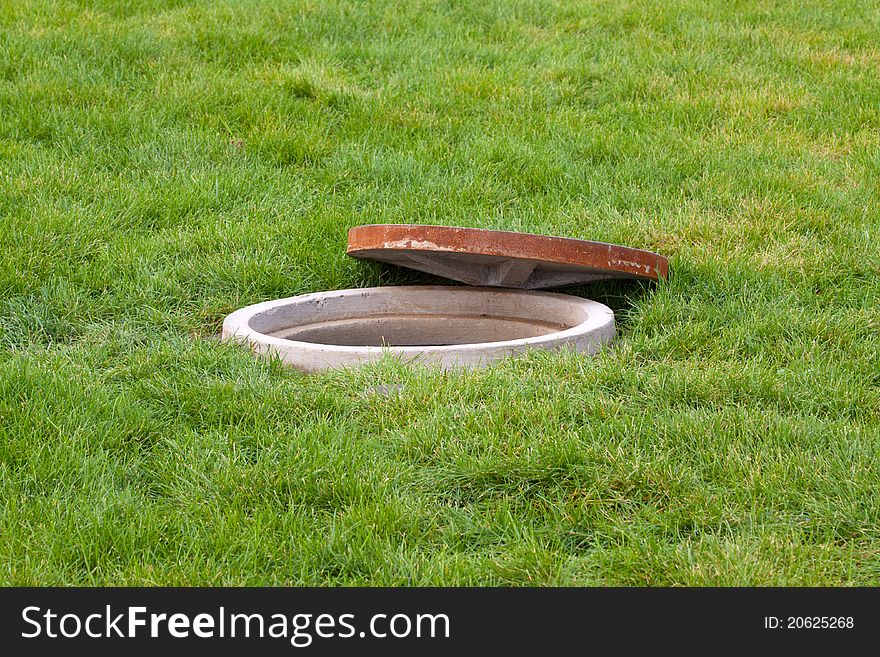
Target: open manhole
{"points": [[452, 326]]}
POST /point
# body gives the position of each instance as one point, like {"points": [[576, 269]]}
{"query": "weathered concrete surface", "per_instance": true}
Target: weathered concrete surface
{"points": [[502, 258], [450, 326]]}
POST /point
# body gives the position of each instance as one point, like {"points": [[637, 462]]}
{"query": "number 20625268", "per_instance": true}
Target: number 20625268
{"points": [[809, 622]]}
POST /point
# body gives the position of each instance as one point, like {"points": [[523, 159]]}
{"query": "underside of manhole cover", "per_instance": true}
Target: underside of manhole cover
{"points": [[502, 258]]}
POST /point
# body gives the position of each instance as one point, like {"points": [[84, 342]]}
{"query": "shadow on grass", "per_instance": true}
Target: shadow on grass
{"points": [[621, 295]]}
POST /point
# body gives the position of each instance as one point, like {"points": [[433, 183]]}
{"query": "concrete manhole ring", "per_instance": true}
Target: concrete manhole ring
{"points": [[447, 325]]}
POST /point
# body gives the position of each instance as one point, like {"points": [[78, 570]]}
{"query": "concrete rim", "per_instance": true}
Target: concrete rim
{"points": [[587, 336]]}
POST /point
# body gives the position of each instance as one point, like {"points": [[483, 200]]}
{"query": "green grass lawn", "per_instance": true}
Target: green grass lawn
{"points": [[164, 163]]}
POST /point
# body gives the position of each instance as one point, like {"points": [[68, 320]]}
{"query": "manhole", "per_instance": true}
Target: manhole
{"points": [[451, 326], [447, 325]]}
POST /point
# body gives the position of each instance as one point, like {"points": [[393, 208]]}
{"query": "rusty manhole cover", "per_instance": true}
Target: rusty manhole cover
{"points": [[502, 258]]}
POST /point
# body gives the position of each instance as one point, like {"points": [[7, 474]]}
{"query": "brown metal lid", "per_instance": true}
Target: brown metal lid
{"points": [[501, 258]]}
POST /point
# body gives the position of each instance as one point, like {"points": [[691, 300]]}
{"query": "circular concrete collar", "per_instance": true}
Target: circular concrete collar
{"points": [[501, 258], [447, 325]]}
